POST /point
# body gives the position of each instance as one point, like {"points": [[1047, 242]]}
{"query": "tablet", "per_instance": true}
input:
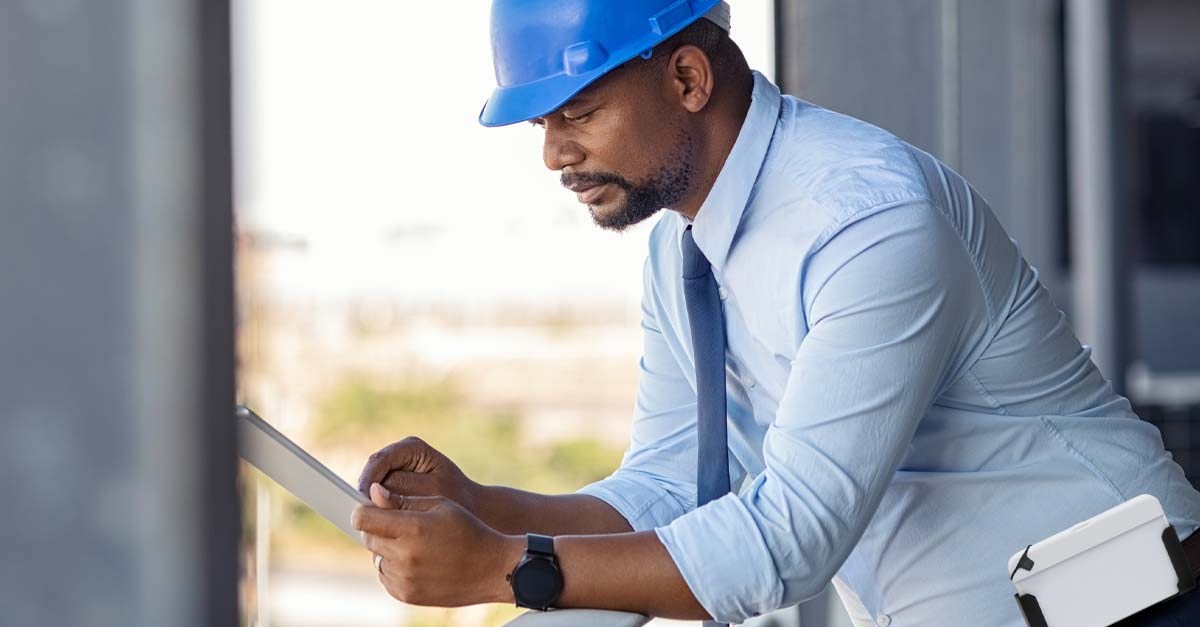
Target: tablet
{"points": [[289, 465]]}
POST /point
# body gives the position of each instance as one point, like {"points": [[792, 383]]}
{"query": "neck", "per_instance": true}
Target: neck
{"points": [[720, 128]]}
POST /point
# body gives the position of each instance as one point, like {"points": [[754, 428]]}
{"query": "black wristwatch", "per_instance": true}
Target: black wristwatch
{"points": [[536, 581]]}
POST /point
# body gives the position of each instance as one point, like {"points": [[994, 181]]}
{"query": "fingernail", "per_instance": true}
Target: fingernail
{"points": [[382, 490]]}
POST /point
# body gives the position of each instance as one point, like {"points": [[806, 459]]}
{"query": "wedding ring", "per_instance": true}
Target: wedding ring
{"points": [[379, 563]]}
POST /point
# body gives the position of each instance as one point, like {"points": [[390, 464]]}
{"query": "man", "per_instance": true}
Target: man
{"points": [[836, 328]]}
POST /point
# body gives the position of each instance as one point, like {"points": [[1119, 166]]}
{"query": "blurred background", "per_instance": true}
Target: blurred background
{"points": [[367, 196], [332, 150]]}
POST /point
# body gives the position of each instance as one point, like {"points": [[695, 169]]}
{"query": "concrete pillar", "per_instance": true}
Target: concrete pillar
{"points": [[117, 444]]}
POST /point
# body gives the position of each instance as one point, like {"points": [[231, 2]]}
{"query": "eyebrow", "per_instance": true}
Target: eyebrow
{"points": [[581, 97], [573, 102]]}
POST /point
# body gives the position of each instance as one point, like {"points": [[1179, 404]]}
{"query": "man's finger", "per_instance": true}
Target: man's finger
{"points": [[385, 499], [378, 545], [401, 455], [407, 482], [382, 497], [389, 523], [417, 504]]}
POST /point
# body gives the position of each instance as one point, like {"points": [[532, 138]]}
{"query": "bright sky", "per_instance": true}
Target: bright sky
{"points": [[357, 130]]}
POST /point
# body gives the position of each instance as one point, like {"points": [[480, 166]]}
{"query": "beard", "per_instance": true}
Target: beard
{"points": [[664, 189]]}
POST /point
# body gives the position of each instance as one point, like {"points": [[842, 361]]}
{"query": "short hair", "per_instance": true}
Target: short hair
{"points": [[726, 57]]}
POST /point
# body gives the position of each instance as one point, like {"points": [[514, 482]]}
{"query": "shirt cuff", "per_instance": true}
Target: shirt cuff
{"points": [[644, 507], [722, 556]]}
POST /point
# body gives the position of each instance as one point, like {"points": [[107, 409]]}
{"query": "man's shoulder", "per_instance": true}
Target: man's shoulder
{"points": [[836, 163]]}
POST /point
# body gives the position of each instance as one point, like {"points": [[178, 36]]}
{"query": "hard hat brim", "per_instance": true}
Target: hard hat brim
{"points": [[518, 103]]}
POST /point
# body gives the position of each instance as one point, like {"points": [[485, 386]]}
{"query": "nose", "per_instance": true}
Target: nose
{"points": [[559, 151]]}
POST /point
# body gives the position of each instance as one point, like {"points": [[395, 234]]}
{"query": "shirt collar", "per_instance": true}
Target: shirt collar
{"points": [[719, 215]]}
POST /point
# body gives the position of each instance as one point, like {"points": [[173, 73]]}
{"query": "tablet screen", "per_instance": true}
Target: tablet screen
{"points": [[289, 465]]}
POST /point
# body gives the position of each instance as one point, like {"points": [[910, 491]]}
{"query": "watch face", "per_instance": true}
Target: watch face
{"points": [[536, 583]]}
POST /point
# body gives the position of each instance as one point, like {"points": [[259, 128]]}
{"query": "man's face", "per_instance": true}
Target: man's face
{"points": [[621, 147]]}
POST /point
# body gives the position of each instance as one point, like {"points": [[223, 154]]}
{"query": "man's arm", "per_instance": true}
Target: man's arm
{"points": [[512, 511], [435, 552], [631, 572], [621, 570], [894, 309]]}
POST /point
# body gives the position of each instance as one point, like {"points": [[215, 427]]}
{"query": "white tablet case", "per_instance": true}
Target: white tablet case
{"points": [[289, 465], [1103, 569]]}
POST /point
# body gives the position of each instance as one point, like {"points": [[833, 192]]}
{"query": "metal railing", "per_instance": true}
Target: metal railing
{"points": [[578, 618]]}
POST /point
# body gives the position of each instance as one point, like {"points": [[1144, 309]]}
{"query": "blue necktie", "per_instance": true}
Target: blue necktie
{"points": [[708, 344]]}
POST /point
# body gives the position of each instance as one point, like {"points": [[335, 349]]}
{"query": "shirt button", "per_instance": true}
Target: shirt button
{"points": [[749, 381], [723, 293], [883, 620]]}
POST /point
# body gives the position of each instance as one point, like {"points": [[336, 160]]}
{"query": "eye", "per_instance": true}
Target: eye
{"points": [[580, 118]]}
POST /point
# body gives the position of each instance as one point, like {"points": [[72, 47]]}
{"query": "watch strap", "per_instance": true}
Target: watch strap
{"points": [[539, 544]]}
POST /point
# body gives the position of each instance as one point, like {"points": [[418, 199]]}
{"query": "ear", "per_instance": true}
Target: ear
{"points": [[692, 78]]}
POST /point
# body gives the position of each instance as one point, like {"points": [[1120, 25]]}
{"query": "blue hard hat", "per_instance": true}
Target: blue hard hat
{"points": [[545, 52]]}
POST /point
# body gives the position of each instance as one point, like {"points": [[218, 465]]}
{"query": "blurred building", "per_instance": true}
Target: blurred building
{"points": [[1079, 121]]}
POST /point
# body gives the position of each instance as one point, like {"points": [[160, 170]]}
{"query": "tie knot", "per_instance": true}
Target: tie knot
{"points": [[695, 264]]}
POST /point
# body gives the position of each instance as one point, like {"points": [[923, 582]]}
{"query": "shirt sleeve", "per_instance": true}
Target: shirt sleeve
{"points": [[893, 302], [655, 483]]}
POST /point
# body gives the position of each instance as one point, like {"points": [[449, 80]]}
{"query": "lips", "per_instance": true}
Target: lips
{"points": [[588, 195]]}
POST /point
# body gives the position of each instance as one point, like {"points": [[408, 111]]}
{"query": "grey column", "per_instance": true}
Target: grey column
{"points": [[1095, 180], [116, 344]]}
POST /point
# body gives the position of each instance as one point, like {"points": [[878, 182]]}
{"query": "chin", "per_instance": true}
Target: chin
{"points": [[615, 219], [604, 219]]}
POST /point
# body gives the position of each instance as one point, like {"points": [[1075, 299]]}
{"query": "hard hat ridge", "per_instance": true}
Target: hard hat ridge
{"points": [[546, 52]]}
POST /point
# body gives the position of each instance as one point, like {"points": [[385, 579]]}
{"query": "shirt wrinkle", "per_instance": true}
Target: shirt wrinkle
{"points": [[984, 392]]}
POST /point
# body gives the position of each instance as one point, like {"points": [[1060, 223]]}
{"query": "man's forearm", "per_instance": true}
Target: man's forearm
{"points": [[511, 511], [605, 564], [631, 572]]}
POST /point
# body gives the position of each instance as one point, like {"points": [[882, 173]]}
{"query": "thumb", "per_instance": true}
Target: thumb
{"points": [[382, 498]]}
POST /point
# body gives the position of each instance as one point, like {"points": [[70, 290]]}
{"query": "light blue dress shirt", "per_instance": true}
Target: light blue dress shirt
{"points": [[907, 407]]}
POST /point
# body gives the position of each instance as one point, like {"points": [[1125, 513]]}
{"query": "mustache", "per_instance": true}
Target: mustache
{"points": [[594, 178]]}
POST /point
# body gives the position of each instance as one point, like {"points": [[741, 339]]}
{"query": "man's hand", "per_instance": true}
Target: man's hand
{"points": [[435, 552], [413, 468]]}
